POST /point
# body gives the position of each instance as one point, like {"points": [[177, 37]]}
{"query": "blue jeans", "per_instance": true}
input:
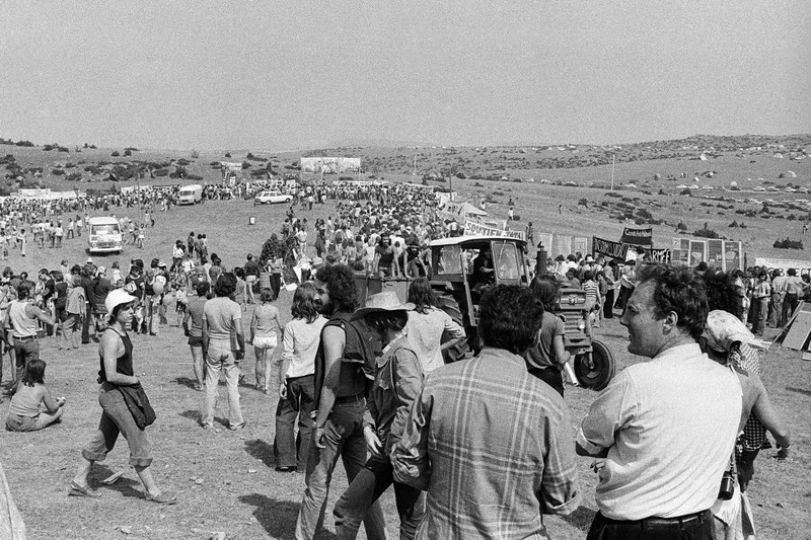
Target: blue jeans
{"points": [[365, 489], [343, 437], [292, 451], [221, 358]]}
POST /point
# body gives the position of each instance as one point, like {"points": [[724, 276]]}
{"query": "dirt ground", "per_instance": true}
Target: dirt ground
{"points": [[226, 479]]}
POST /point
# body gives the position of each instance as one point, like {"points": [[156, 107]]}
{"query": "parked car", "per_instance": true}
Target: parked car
{"points": [[272, 197]]}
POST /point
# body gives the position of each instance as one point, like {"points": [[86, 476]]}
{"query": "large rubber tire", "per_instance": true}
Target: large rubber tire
{"points": [[449, 305], [595, 370]]}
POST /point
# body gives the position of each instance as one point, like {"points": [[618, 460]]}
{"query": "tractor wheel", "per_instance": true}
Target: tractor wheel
{"points": [[595, 370], [449, 305]]}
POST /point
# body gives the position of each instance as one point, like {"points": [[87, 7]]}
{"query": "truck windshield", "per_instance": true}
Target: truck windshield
{"points": [[105, 229]]}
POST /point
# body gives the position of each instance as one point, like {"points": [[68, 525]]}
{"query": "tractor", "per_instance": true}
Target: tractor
{"points": [[459, 287]]}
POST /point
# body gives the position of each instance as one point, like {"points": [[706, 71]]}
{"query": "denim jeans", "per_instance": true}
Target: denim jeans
{"points": [[292, 451], [220, 357], [761, 306], [365, 489], [116, 418], [25, 350], [343, 437]]}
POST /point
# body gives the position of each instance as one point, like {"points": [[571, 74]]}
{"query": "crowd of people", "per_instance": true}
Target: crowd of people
{"points": [[479, 448]]}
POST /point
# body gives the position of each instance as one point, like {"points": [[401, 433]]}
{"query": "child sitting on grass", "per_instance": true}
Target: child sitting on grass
{"points": [[26, 410]]}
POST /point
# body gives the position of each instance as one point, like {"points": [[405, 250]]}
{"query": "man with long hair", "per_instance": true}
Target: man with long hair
{"points": [[346, 353]]}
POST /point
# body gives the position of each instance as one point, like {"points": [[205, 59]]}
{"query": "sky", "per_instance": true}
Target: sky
{"points": [[283, 75]]}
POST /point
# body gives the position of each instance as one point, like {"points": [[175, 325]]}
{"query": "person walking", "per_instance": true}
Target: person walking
{"points": [[302, 336], [125, 407], [760, 303], [398, 380], [344, 355], [222, 318], [490, 442], [265, 327], [193, 329]]}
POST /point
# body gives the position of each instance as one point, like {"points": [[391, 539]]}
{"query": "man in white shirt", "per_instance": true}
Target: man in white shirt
{"points": [[666, 426]]}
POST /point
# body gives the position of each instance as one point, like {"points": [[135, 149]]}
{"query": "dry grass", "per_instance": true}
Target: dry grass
{"points": [[226, 478]]}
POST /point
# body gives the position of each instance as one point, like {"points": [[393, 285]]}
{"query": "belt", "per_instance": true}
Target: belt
{"points": [[24, 338], [664, 522], [350, 399]]}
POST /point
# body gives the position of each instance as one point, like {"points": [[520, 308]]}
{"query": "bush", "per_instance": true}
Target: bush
{"points": [[57, 172], [127, 152], [788, 244], [644, 214], [706, 233], [115, 153], [583, 202], [687, 192]]}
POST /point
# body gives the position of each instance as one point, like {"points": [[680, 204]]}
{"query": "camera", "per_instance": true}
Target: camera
{"points": [[727, 486]]}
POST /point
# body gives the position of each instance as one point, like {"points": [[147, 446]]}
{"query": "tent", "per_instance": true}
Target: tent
{"points": [[469, 209]]}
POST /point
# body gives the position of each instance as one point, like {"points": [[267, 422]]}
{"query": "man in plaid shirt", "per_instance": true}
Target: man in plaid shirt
{"points": [[491, 443]]}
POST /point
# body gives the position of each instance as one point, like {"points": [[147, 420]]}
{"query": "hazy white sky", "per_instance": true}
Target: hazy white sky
{"points": [[288, 74]]}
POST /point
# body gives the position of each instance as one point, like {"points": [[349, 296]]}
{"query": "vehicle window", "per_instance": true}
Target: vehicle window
{"points": [[505, 257], [449, 262], [105, 229]]}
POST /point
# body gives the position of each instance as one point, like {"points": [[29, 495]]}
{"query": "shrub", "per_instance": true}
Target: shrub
{"points": [[583, 202], [644, 214], [788, 244], [687, 192], [706, 233], [128, 152], [131, 149], [115, 153], [57, 172], [681, 226]]}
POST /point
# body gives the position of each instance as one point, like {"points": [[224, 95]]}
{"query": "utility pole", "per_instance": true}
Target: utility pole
{"points": [[613, 162]]}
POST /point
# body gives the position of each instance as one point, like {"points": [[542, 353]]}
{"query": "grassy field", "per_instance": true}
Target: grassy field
{"points": [[226, 479]]}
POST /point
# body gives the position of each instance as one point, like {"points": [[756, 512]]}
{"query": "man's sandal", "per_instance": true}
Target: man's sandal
{"points": [[82, 491]]}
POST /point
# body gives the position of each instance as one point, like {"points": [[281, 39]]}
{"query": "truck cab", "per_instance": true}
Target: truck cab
{"points": [[104, 235]]}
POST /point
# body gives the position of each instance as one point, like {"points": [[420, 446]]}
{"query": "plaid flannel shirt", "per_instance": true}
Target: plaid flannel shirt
{"points": [[494, 448]]}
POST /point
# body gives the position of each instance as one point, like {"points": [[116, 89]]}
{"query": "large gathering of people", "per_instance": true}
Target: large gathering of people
{"points": [[477, 448]]}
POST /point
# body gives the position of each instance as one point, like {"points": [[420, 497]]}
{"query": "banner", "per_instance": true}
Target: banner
{"points": [[329, 164], [660, 255], [724, 254], [698, 252], [608, 248], [637, 237], [473, 227]]}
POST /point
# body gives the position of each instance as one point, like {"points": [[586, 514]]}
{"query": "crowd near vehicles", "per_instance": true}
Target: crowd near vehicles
{"points": [[455, 285], [104, 235], [272, 196], [191, 194]]}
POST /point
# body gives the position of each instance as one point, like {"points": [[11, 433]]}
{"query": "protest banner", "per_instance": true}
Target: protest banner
{"points": [[637, 237], [475, 227], [608, 248]]}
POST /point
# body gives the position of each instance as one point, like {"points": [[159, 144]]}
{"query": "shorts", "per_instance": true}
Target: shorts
{"points": [[265, 342], [15, 422], [196, 341]]}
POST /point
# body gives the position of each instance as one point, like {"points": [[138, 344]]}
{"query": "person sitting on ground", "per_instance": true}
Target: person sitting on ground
{"points": [[32, 407]]}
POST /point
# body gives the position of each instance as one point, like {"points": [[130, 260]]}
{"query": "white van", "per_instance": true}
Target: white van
{"points": [[104, 235], [191, 194]]}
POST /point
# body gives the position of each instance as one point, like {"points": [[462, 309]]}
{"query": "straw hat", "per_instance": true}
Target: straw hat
{"points": [[384, 301]]}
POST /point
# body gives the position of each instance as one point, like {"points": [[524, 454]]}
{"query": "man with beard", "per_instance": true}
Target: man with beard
{"points": [[345, 355]]}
